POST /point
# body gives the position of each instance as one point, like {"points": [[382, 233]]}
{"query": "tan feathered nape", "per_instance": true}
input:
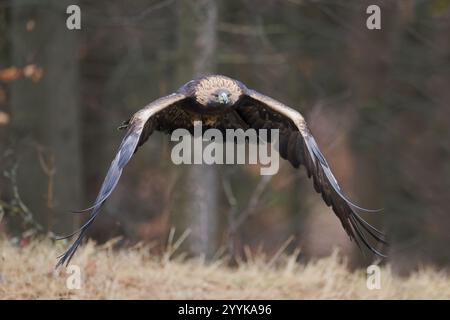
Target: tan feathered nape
{"points": [[208, 85]]}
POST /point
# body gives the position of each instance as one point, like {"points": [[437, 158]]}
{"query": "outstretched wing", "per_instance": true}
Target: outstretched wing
{"points": [[140, 126], [299, 147]]}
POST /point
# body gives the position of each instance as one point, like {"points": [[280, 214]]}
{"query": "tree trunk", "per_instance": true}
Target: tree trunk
{"points": [[46, 114], [197, 49], [367, 75]]}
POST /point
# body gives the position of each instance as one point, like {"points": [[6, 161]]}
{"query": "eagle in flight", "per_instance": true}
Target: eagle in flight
{"points": [[224, 103]]}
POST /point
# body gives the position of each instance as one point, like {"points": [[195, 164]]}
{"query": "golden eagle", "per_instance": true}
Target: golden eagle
{"points": [[224, 103]]}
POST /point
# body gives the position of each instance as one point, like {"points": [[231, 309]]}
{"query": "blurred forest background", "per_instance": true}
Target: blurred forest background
{"points": [[377, 101]]}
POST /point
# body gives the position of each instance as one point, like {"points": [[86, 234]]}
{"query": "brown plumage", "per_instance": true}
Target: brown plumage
{"points": [[224, 103]]}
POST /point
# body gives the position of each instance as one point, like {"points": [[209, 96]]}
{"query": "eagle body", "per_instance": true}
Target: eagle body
{"points": [[223, 103]]}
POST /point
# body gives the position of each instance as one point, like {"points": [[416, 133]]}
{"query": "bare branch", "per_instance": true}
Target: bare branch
{"points": [[254, 202]]}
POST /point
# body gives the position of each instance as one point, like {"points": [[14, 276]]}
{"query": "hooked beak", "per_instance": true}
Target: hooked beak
{"points": [[223, 98]]}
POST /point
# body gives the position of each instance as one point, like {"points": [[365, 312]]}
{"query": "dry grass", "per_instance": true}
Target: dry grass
{"points": [[27, 273]]}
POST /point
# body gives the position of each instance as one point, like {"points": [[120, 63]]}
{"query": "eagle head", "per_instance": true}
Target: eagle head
{"points": [[217, 91]]}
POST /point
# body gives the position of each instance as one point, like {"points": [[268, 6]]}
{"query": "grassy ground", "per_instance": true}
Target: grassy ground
{"points": [[27, 272]]}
